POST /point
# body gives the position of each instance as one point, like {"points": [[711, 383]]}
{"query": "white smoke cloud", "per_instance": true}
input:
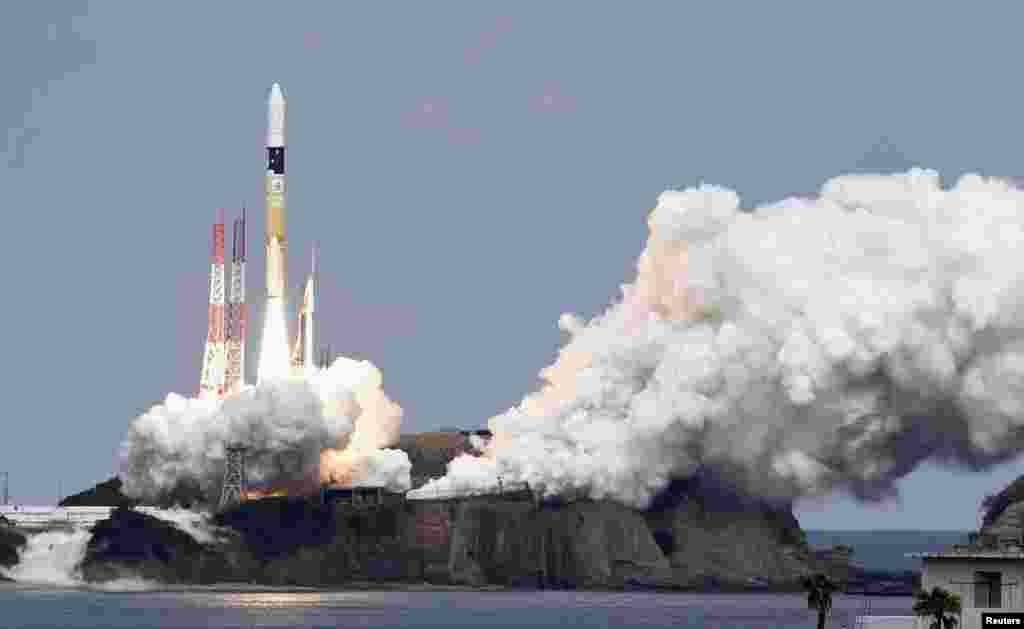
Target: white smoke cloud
{"points": [[285, 424], [803, 346], [197, 524]]}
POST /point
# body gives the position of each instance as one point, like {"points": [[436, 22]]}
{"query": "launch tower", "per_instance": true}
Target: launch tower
{"points": [[211, 382], [233, 491], [237, 311]]}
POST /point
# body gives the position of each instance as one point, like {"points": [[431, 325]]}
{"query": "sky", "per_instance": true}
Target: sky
{"points": [[471, 170]]}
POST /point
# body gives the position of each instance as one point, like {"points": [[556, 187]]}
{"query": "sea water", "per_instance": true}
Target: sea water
{"points": [[24, 607], [49, 592]]}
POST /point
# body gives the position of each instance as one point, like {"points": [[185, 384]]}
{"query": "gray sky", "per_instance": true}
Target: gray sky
{"points": [[472, 169]]}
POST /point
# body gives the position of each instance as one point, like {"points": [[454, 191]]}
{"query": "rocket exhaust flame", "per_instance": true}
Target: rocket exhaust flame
{"points": [[274, 348], [801, 347]]}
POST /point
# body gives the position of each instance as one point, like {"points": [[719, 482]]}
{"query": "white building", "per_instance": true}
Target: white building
{"points": [[988, 580]]}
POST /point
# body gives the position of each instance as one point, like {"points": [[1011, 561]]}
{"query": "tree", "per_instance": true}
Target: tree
{"points": [[819, 596], [942, 606]]}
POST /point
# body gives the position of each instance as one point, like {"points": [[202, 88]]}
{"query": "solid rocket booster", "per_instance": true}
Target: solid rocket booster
{"points": [[277, 244], [310, 308]]}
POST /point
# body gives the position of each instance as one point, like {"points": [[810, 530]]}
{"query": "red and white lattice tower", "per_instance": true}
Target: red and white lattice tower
{"points": [[235, 375], [211, 383]]}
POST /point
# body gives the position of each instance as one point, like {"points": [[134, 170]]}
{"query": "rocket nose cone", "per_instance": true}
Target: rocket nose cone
{"points": [[275, 94]]}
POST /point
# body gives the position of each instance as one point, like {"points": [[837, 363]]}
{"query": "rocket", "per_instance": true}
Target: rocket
{"points": [[302, 359], [273, 362], [309, 306], [277, 244]]}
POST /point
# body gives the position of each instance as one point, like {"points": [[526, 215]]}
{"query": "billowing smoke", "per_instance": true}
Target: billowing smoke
{"points": [[286, 426], [800, 347]]}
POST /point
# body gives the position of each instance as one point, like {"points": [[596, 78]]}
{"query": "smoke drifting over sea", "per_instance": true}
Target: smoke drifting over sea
{"points": [[287, 426], [800, 347]]}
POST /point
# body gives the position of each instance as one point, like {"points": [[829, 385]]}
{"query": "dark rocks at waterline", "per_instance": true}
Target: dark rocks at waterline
{"points": [[10, 541], [135, 545]]}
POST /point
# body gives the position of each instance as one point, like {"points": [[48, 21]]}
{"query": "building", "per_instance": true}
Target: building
{"points": [[986, 575], [359, 497]]}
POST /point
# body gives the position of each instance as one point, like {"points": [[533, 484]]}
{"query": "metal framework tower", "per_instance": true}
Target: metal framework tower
{"points": [[234, 488], [211, 383], [236, 310]]}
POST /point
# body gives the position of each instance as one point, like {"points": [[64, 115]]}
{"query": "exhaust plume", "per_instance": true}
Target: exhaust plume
{"points": [[800, 348], [287, 425]]}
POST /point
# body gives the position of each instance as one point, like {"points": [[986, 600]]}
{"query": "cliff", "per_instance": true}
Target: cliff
{"points": [[1004, 513], [10, 541], [132, 544], [508, 540], [105, 494], [582, 544], [715, 535], [700, 533]]}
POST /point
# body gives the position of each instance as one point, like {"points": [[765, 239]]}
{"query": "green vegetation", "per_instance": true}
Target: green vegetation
{"points": [[942, 606], [819, 596]]}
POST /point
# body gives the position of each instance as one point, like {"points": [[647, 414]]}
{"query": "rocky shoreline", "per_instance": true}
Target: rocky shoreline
{"points": [[482, 543]]}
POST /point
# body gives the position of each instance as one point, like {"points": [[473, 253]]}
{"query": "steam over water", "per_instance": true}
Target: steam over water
{"points": [[799, 347], [53, 558]]}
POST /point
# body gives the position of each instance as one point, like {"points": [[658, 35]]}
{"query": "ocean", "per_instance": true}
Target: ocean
{"points": [[42, 608], [886, 550]]}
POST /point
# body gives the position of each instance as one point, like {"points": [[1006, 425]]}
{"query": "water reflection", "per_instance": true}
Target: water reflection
{"points": [[286, 600]]}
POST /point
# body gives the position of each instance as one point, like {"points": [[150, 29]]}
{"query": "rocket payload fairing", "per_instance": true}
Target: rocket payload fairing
{"points": [[277, 244]]}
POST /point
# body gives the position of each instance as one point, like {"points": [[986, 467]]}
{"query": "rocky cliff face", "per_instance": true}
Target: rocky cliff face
{"points": [[507, 540], [699, 533], [132, 544], [10, 542], [584, 544], [105, 494], [1004, 513], [713, 535]]}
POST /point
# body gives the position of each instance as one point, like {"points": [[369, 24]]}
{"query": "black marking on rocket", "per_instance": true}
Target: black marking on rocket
{"points": [[275, 159]]}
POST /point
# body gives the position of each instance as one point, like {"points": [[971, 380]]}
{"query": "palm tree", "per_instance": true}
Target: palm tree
{"points": [[819, 596], [939, 604]]}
